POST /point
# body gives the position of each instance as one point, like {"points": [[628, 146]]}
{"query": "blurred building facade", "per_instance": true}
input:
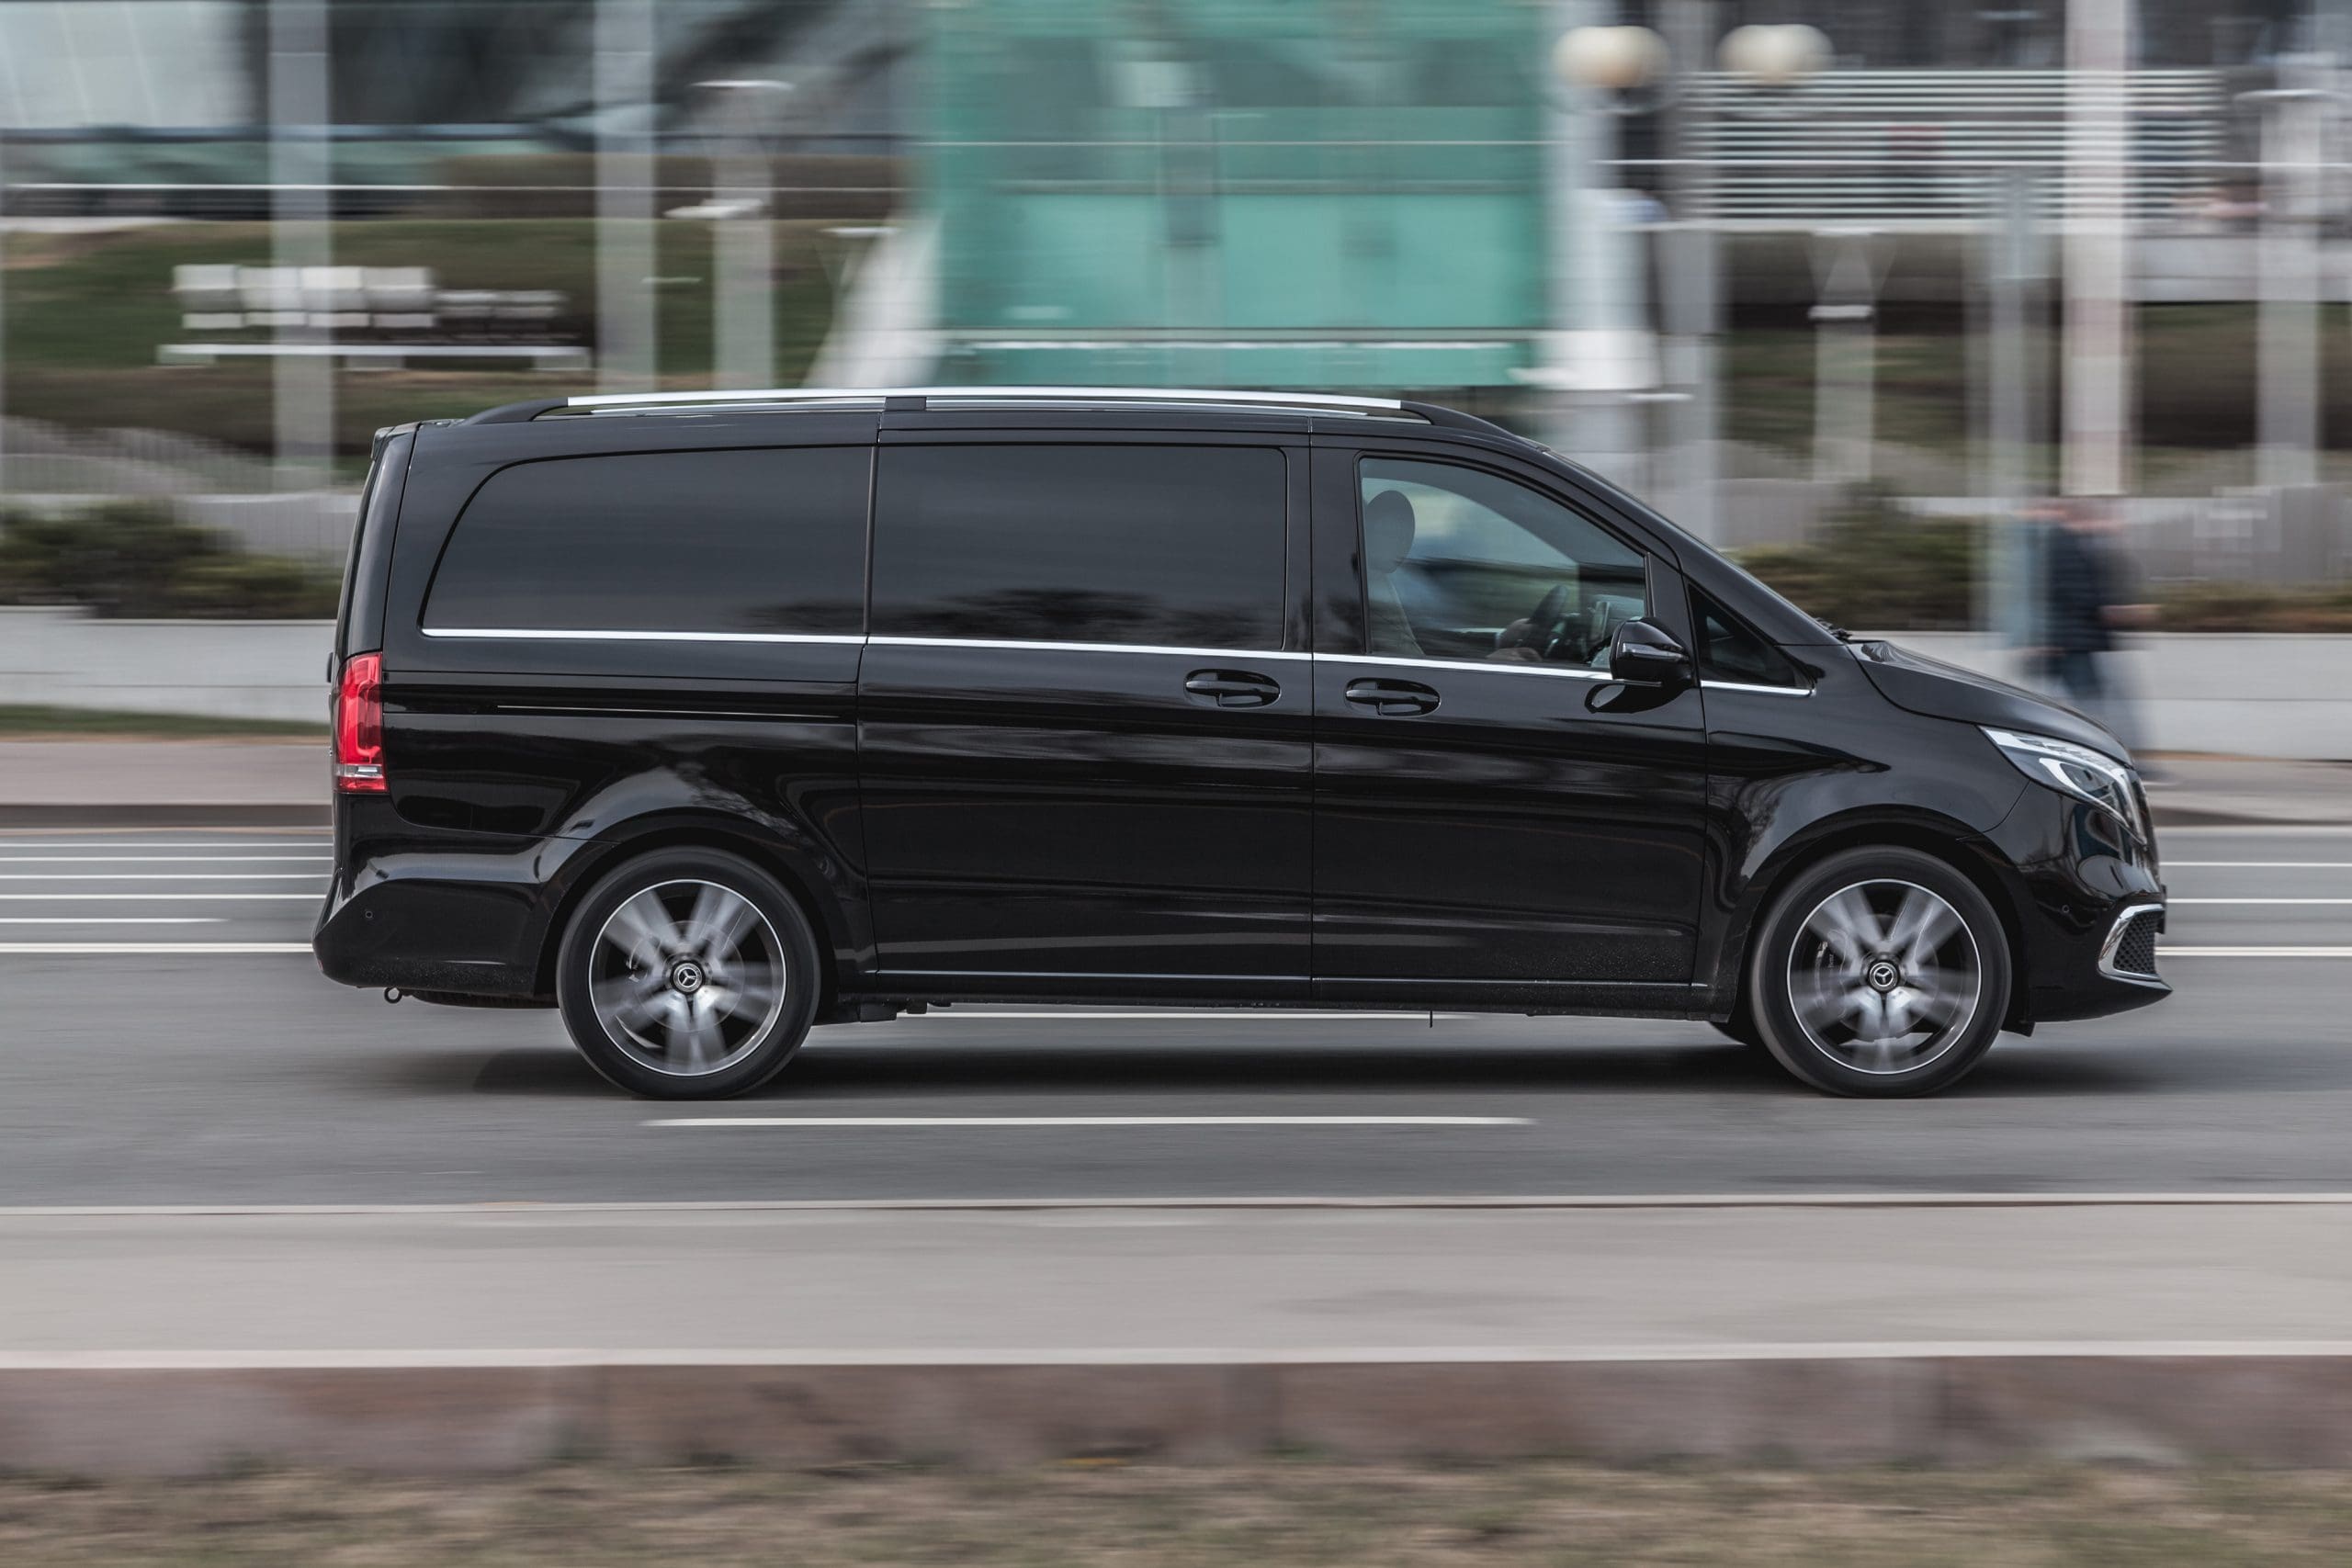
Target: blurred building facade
{"points": [[1961, 258]]}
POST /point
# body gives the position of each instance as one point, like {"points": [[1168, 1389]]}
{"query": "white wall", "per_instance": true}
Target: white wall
{"points": [[225, 669], [2243, 694], [2248, 695]]}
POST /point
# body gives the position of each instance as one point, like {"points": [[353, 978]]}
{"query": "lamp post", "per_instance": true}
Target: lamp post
{"points": [[1769, 63], [300, 239], [2098, 353], [1600, 353], [1605, 360]]}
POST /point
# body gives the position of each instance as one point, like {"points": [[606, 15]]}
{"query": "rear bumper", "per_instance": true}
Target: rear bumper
{"points": [[472, 925]]}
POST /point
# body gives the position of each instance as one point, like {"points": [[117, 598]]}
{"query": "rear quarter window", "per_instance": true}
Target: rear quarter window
{"points": [[770, 540]]}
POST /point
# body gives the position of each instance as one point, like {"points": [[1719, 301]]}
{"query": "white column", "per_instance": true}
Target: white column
{"points": [[626, 326], [2293, 126], [2009, 597], [1694, 309], [300, 234], [2099, 285], [743, 242], [1845, 372], [3, 325]]}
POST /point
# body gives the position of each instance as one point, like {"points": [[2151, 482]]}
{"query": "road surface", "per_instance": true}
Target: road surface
{"points": [[168, 1041]]}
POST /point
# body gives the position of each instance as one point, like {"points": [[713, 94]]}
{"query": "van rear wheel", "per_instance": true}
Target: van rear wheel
{"points": [[1880, 973], [687, 973]]}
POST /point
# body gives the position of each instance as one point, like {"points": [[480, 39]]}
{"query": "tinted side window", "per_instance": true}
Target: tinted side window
{"points": [[1175, 545], [1463, 564], [759, 541], [1728, 650]]}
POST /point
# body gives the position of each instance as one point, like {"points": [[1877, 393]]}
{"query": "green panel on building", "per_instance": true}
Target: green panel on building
{"points": [[1275, 193]]}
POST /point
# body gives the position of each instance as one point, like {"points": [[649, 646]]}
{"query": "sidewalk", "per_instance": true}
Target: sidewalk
{"points": [[283, 783], [1807, 1331], [172, 784]]}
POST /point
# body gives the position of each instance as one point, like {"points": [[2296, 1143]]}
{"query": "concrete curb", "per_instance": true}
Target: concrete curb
{"points": [[1791, 1404]]}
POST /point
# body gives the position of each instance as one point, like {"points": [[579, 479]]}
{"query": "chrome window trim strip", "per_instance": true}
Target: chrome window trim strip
{"points": [[1231, 653], [1764, 691], [1500, 668], [2115, 939], [523, 634]]}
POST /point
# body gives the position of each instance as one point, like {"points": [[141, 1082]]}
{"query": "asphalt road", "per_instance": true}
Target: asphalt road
{"points": [[159, 1050]]}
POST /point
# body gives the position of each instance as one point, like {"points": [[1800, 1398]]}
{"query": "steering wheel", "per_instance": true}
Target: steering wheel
{"points": [[1548, 629]]}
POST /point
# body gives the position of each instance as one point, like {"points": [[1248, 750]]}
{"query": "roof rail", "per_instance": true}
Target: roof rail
{"points": [[910, 399]]}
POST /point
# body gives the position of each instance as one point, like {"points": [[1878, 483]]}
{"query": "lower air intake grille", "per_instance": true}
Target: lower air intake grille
{"points": [[2135, 951]]}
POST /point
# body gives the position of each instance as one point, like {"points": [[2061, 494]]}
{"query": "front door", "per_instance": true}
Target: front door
{"points": [[1083, 717], [1492, 813]]}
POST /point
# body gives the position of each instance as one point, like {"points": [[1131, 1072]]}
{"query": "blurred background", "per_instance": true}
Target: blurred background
{"points": [[1841, 285]]}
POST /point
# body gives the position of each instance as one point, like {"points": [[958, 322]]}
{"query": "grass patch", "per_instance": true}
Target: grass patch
{"points": [[33, 721], [1152, 1516]]}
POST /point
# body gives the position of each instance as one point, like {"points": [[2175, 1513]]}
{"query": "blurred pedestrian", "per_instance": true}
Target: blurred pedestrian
{"points": [[2086, 602]]}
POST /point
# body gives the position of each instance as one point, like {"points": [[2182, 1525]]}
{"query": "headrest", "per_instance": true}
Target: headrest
{"points": [[1387, 533]]}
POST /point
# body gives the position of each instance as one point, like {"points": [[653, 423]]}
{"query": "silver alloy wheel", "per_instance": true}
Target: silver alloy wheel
{"points": [[687, 977], [1886, 976]]}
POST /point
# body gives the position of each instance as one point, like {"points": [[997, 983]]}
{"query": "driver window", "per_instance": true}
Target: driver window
{"points": [[1461, 564]]}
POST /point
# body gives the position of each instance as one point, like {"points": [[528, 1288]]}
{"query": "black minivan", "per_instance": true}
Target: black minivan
{"points": [[709, 717]]}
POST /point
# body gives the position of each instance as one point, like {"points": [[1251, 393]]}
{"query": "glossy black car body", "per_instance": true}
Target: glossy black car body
{"points": [[985, 812]]}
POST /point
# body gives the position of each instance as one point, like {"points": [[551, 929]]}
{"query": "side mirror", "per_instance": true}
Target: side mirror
{"points": [[1641, 654]]}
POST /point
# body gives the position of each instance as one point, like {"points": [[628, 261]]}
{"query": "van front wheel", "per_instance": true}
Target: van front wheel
{"points": [[1880, 973], [687, 974]]}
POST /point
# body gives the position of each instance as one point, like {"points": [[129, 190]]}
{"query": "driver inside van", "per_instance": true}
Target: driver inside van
{"points": [[1389, 530]]}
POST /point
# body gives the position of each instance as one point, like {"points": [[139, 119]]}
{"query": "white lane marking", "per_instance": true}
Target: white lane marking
{"points": [[2261, 830], [1662, 1352], [9, 843], [2260, 865], [1088, 1122], [966, 1013], [90, 949], [155, 860], [160, 876], [154, 898], [2178, 901], [109, 920], [2169, 952], [525, 1210]]}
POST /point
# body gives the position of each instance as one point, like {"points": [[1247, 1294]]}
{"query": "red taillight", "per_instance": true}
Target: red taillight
{"points": [[359, 726]]}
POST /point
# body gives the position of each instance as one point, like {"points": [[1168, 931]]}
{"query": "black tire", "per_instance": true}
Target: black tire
{"points": [[667, 1036], [1799, 946]]}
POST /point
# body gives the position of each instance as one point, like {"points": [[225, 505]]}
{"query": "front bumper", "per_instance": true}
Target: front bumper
{"points": [[2090, 904]]}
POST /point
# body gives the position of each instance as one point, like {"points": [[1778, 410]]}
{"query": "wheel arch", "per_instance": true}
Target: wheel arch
{"points": [[801, 881], [1944, 839]]}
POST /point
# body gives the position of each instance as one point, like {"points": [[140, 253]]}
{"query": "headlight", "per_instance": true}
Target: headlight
{"points": [[2077, 770]]}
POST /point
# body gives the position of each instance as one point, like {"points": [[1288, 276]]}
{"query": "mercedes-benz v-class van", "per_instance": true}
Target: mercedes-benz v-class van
{"points": [[708, 718]]}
